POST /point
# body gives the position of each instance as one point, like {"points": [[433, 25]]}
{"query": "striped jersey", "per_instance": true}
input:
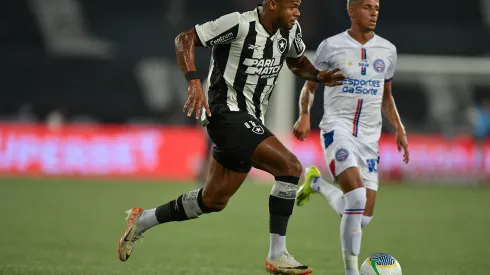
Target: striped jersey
{"points": [[246, 61], [355, 106]]}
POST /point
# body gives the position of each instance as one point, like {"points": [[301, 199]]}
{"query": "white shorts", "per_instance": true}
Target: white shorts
{"points": [[342, 151]]}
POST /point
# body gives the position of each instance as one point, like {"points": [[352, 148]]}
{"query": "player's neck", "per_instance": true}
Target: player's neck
{"points": [[264, 19], [361, 36]]}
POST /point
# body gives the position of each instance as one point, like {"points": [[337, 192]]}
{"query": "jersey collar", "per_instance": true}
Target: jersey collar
{"points": [[356, 43]]}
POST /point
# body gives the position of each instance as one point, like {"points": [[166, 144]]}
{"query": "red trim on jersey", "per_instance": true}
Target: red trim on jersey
{"points": [[332, 167], [355, 122]]}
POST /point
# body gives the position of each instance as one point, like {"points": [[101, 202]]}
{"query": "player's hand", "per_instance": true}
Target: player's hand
{"points": [[331, 78], [301, 128], [402, 143], [196, 99]]}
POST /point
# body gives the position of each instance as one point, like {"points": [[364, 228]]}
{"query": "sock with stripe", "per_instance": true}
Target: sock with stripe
{"points": [[350, 229], [185, 207], [335, 197], [281, 204]]}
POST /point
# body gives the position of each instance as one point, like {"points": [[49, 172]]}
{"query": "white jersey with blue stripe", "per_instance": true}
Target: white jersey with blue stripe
{"points": [[355, 106]]}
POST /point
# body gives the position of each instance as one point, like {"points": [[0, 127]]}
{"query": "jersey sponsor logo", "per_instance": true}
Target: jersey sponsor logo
{"points": [[222, 39], [341, 155], [282, 44], [298, 41], [361, 86], [266, 68], [379, 65]]}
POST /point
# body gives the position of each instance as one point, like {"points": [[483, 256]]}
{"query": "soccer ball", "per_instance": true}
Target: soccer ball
{"points": [[381, 264]]}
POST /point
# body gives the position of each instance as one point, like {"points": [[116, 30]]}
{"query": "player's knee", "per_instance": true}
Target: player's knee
{"points": [[293, 166], [350, 179], [355, 201], [365, 221]]}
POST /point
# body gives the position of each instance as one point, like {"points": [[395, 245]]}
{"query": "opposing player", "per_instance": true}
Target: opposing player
{"points": [[351, 124], [249, 50]]}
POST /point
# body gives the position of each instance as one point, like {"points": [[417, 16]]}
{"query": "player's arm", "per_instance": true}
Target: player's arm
{"points": [[185, 45], [388, 107], [302, 126], [220, 31], [390, 111], [302, 67]]}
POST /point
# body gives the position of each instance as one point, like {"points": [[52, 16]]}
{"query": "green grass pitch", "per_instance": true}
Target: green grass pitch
{"points": [[72, 227]]}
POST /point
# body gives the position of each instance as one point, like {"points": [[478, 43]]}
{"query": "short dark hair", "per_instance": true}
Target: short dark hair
{"points": [[351, 3]]}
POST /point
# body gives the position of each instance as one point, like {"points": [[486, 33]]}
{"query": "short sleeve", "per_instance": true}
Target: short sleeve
{"points": [[320, 61], [391, 69], [298, 48], [223, 30]]}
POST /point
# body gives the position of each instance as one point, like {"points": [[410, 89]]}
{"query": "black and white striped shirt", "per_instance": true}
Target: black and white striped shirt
{"points": [[246, 61]]}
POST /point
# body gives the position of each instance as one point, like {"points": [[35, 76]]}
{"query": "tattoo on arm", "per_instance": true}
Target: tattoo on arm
{"points": [[307, 97], [303, 68], [185, 44]]}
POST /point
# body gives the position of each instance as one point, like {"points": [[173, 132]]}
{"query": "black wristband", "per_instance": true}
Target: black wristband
{"points": [[191, 75], [316, 76]]}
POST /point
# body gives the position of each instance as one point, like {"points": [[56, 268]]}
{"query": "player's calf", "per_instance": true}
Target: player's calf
{"points": [[273, 157], [186, 207], [370, 203], [213, 200], [355, 198], [350, 228]]}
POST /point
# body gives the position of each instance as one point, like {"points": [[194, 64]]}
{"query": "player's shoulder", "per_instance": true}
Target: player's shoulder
{"points": [[334, 41], [248, 16], [240, 17], [385, 43]]}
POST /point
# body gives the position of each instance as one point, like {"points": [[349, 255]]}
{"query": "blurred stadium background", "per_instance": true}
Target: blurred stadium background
{"points": [[91, 124]]}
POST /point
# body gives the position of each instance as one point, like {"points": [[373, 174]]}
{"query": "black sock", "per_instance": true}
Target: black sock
{"points": [[281, 203], [185, 207]]}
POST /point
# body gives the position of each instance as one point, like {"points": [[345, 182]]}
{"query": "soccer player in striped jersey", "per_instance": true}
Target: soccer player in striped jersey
{"points": [[249, 50], [351, 124]]}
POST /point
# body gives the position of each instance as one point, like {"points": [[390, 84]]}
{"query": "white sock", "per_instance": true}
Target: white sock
{"points": [[147, 219], [350, 229], [350, 263], [333, 194], [277, 247], [365, 221]]}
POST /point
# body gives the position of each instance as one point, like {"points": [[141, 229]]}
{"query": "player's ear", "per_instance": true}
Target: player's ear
{"points": [[350, 11], [272, 4]]}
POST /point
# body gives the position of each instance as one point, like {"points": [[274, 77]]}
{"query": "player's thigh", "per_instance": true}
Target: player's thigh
{"points": [[368, 167], [368, 160], [236, 135], [350, 179], [273, 157], [221, 182], [341, 157]]}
